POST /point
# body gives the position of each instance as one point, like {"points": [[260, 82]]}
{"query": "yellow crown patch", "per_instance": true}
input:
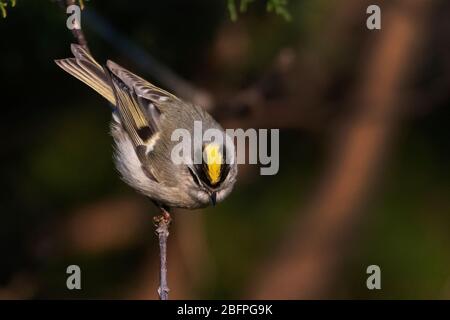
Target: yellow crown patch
{"points": [[214, 161]]}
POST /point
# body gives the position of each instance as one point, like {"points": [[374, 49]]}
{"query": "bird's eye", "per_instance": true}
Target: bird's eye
{"points": [[194, 177]]}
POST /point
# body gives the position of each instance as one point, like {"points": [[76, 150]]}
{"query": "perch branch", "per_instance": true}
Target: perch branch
{"points": [[162, 224]]}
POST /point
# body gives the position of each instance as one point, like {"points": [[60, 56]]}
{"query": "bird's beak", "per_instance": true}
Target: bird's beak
{"points": [[213, 197]]}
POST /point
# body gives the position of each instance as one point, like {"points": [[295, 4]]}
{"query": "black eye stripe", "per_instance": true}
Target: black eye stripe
{"points": [[201, 172], [194, 176], [224, 172]]}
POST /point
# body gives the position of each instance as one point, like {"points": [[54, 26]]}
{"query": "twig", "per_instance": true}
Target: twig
{"points": [[162, 224], [77, 33]]}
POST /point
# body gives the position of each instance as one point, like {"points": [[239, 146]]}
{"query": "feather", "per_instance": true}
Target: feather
{"points": [[86, 69], [140, 127], [142, 87]]}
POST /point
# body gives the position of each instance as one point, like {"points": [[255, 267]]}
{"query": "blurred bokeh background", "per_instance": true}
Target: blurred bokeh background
{"points": [[364, 151]]}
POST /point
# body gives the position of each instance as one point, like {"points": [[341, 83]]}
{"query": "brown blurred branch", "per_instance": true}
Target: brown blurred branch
{"points": [[311, 251]]}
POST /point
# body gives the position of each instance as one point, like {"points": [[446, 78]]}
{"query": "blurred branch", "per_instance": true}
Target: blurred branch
{"points": [[254, 106], [272, 101], [254, 102], [310, 253]]}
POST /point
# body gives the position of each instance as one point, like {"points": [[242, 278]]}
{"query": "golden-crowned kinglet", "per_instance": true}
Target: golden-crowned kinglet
{"points": [[144, 118]]}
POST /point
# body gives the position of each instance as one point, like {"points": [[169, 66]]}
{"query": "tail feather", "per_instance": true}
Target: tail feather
{"points": [[86, 69]]}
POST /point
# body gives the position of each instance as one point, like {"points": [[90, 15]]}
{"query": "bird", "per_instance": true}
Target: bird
{"points": [[144, 117]]}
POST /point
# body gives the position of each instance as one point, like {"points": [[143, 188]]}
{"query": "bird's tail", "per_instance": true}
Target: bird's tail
{"points": [[84, 67]]}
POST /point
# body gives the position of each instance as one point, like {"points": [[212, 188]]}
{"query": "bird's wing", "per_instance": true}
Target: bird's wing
{"points": [[142, 87], [139, 116], [86, 69]]}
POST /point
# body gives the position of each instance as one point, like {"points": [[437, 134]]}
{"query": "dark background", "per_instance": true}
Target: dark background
{"points": [[364, 152]]}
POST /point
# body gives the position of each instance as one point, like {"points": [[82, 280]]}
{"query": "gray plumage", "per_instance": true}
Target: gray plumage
{"points": [[142, 125]]}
